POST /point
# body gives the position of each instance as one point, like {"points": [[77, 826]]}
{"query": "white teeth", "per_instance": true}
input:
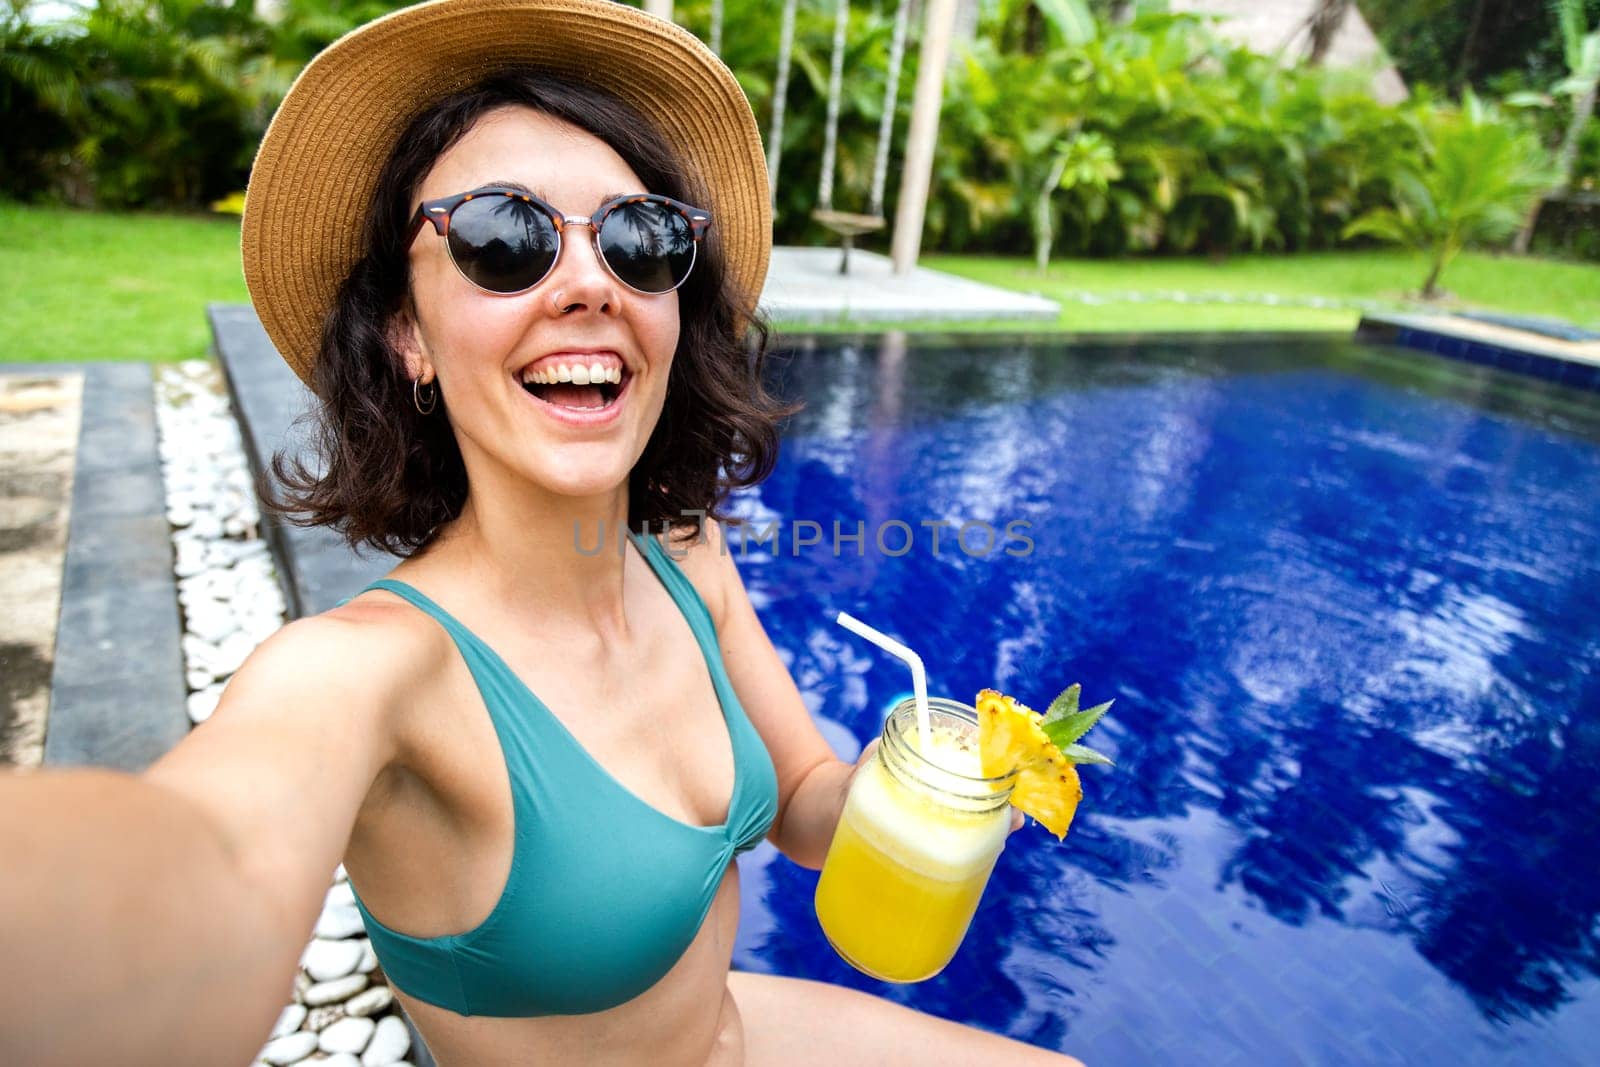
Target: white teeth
{"points": [[577, 374]]}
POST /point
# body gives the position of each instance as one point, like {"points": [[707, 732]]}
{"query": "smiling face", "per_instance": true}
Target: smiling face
{"points": [[516, 371]]}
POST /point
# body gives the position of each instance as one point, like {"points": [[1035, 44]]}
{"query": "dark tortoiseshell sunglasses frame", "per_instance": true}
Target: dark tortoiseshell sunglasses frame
{"points": [[438, 212]]}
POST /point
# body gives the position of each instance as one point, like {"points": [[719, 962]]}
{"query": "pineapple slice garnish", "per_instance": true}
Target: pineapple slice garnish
{"points": [[1043, 750]]}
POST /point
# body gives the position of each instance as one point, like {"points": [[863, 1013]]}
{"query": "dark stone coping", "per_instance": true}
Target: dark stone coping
{"points": [[116, 687], [316, 567], [1533, 359]]}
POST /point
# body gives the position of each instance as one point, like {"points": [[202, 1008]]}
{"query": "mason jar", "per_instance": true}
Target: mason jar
{"points": [[917, 839]]}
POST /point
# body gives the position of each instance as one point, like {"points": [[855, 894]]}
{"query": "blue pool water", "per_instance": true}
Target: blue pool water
{"points": [[1348, 602]]}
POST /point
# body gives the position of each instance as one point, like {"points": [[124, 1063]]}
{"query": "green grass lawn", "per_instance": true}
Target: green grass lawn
{"points": [[80, 285], [77, 285], [1525, 286]]}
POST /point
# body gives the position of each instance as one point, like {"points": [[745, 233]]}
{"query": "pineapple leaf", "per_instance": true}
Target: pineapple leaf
{"points": [[1079, 754], [1063, 705], [1069, 727]]}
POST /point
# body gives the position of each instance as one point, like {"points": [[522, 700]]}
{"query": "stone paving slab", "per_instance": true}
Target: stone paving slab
{"points": [[804, 287], [39, 416], [117, 696]]}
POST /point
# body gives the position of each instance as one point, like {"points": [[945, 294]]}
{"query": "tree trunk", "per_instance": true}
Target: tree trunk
{"points": [[916, 169], [1530, 223], [1323, 26], [1443, 254], [1566, 159], [1430, 288], [1035, 34], [1582, 112], [1043, 229], [1043, 232], [1469, 48]]}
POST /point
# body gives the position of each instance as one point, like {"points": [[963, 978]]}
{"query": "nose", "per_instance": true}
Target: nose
{"points": [[580, 281]]}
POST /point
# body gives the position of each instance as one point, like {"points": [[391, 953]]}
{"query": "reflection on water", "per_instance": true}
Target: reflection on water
{"points": [[1349, 604]]}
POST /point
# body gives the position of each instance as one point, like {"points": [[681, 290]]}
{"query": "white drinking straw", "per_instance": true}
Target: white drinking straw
{"points": [[919, 676]]}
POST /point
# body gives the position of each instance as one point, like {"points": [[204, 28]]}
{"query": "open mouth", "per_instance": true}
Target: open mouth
{"points": [[576, 397], [578, 388]]}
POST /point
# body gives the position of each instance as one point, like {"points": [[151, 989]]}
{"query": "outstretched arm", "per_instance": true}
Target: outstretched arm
{"points": [[163, 915]]}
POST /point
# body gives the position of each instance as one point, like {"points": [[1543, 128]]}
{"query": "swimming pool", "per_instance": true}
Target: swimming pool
{"points": [[1347, 599]]}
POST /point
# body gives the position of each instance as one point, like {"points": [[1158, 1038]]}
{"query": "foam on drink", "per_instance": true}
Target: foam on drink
{"points": [[919, 832]]}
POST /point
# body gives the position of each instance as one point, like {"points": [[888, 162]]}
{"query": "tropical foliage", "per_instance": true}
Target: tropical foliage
{"points": [[1069, 127], [1581, 53], [1477, 176], [150, 102], [1472, 43], [1213, 148]]}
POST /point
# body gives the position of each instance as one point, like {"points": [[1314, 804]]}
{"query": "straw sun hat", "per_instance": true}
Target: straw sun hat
{"points": [[317, 168]]}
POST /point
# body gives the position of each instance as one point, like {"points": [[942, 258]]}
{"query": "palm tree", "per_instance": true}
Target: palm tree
{"points": [[1322, 25], [1469, 47], [1030, 25], [40, 95], [1581, 48], [1479, 174]]}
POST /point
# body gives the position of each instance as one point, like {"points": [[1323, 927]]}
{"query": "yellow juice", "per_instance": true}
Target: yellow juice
{"points": [[905, 870]]}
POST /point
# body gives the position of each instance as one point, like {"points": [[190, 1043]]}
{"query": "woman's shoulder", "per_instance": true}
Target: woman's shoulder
{"points": [[374, 649]]}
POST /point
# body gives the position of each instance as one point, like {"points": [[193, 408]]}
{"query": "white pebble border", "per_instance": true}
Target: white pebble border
{"points": [[342, 1010], [1185, 296]]}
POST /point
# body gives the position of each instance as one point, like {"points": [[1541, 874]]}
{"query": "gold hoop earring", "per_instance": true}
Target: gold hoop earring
{"points": [[423, 405]]}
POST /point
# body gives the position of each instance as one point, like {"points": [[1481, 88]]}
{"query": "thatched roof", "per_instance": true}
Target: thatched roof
{"points": [[1279, 26]]}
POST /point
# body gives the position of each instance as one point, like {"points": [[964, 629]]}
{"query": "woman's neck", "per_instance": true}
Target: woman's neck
{"points": [[528, 547]]}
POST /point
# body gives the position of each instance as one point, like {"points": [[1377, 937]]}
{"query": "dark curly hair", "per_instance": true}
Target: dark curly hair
{"points": [[389, 478]]}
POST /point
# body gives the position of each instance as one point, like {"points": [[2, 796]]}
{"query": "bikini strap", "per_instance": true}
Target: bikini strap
{"points": [[682, 591], [497, 683], [463, 637]]}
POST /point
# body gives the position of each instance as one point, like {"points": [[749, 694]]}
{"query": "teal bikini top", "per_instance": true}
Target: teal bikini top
{"points": [[605, 892]]}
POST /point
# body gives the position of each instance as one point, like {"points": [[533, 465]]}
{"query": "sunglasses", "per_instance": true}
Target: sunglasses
{"points": [[506, 241]]}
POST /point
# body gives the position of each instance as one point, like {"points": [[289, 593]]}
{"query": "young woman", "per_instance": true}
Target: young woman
{"points": [[515, 248]]}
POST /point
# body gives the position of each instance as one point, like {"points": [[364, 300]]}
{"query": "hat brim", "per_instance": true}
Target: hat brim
{"points": [[317, 168]]}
